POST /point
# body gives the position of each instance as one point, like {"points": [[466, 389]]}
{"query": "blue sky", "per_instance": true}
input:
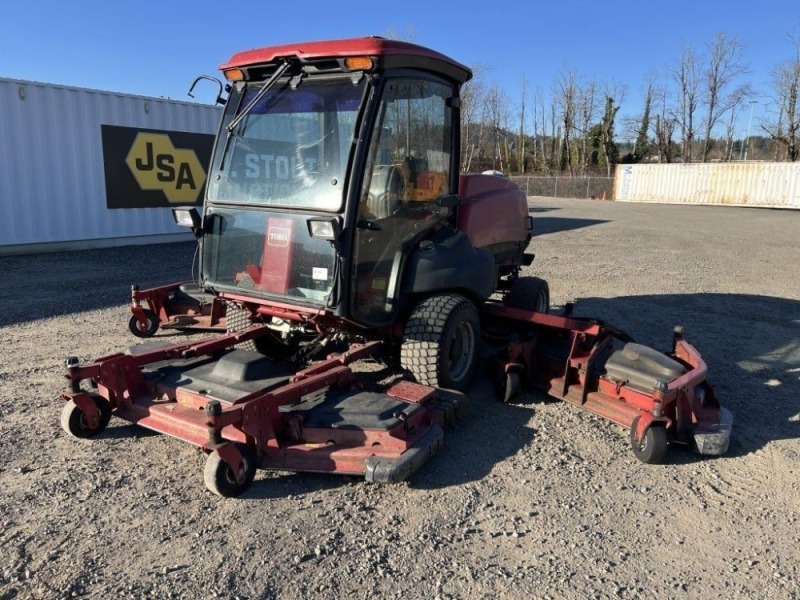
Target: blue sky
{"points": [[157, 48]]}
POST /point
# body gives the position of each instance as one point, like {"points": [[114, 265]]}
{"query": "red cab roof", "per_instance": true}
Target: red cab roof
{"points": [[390, 53]]}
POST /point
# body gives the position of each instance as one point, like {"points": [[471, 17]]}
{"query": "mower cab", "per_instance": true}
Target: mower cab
{"points": [[334, 187]]}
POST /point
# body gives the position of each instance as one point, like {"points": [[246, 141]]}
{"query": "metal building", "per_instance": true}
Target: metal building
{"points": [[774, 185], [84, 168]]}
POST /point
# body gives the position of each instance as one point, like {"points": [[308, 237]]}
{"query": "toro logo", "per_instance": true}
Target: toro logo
{"points": [[157, 165], [278, 237]]}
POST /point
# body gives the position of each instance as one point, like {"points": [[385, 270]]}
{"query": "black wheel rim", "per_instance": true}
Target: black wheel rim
{"points": [[462, 348]]}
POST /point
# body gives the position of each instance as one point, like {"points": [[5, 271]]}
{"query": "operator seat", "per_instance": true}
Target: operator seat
{"points": [[386, 191]]}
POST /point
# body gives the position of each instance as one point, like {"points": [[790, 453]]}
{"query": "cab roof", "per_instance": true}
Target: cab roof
{"points": [[388, 54]]}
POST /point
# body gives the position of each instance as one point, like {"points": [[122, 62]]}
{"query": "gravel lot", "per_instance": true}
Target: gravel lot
{"points": [[534, 500]]}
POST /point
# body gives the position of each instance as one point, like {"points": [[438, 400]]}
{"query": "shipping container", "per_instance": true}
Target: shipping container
{"points": [[758, 184], [85, 168]]}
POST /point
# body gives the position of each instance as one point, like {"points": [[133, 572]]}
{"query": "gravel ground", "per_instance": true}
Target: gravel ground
{"points": [[533, 500]]}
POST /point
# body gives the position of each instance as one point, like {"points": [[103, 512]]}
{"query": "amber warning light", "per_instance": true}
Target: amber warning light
{"points": [[234, 75], [359, 63]]}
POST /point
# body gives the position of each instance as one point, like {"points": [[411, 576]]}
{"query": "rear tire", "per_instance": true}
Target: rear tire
{"points": [[529, 293], [440, 343]]}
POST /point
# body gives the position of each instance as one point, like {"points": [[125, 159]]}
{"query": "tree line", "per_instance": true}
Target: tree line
{"points": [[688, 114]]}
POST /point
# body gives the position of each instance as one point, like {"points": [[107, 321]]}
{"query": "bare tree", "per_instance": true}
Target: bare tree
{"points": [[727, 154], [687, 76], [521, 136], [566, 97], [393, 33], [496, 117], [725, 66], [555, 138], [664, 127], [786, 86], [472, 94], [539, 158]]}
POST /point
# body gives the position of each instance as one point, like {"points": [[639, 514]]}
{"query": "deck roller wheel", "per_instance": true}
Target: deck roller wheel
{"points": [[653, 446], [220, 478], [75, 423], [144, 330], [508, 387]]}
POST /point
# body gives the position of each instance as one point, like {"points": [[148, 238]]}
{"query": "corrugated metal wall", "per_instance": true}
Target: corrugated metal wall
{"points": [[774, 185], [51, 161]]}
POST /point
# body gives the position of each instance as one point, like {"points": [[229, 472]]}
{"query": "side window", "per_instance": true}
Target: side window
{"points": [[409, 163], [408, 168]]}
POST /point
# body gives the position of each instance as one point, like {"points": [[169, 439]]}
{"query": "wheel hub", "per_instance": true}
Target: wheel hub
{"points": [[461, 349]]}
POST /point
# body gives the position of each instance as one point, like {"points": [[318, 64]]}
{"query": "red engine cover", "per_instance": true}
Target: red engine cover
{"points": [[493, 210]]}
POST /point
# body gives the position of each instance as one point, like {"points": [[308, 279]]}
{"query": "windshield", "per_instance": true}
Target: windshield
{"points": [[292, 148], [266, 253]]}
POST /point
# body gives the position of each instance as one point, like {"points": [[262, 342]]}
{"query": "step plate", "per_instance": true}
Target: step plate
{"points": [[353, 410]]}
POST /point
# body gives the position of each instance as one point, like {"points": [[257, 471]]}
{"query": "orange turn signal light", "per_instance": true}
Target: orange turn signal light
{"points": [[234, 75], [359, 63]]}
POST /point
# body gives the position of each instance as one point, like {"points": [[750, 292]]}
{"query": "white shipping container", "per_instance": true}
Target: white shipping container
{"points": [[52, 178], [759, 184]]}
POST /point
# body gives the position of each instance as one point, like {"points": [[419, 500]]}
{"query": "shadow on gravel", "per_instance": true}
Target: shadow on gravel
{"points": [[541, 209], [492, 433], [271, 486], [38, 286], [544, 225], [750, 343], [122, 430]]}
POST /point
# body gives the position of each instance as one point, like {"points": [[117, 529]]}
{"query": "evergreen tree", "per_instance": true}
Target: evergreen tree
{"points": [[643, 149]]}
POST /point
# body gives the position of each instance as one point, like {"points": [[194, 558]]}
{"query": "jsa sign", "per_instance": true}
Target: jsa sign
{"points": [[150, 168]]}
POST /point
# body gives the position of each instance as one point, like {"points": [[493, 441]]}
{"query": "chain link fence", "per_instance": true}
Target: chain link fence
{"points": [[565, 187]]}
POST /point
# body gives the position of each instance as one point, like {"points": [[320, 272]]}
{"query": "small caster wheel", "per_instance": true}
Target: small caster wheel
{"points": [[653, 447], [220, 478], [509, 387], [141, 331], [74, 422]]}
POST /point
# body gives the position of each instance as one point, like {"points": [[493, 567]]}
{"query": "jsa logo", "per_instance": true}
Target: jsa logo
{"points": [[158, 165]]}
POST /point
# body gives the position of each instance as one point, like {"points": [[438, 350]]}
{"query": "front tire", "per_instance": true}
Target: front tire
{"points": [[440, 342]]}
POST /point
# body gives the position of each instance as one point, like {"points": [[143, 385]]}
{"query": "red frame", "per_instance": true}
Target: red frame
{"points": [[676, 407], [254, 419], [173, 314]]}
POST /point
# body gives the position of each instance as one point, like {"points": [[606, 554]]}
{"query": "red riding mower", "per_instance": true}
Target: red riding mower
{"points": [[336, 227]]}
